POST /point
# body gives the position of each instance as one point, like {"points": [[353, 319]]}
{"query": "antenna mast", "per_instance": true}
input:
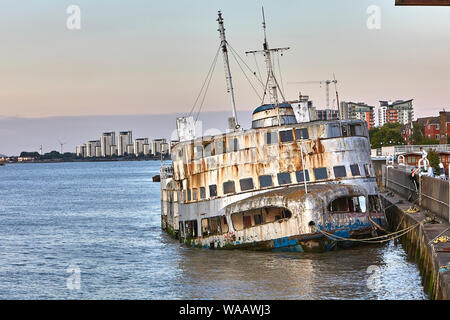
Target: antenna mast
{"points": [[227, 67], [271, 79]]}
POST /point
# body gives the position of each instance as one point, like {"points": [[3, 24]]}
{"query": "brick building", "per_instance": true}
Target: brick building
{"points": [[436, 128]]}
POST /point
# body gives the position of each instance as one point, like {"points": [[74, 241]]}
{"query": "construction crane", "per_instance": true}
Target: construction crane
{"points": [[327, 87]]}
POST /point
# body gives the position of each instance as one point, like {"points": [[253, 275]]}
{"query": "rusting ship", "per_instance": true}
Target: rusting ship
{"points": [[287, 183]]}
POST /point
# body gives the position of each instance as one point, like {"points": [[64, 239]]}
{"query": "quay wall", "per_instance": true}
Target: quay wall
{"points": [[431, 221], [430, 193]]}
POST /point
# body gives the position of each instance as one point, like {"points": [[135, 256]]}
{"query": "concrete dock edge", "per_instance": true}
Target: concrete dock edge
{"points": [[432, 258]]}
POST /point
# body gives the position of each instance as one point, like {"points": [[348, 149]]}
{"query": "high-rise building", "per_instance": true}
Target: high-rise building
{"points": [[81, 151], [130, 149], [108, 139], [113, 150], [139, 145], [159, 146], [90, 148], [359, 110], [399, 111], [124, 139], [146, 148]]}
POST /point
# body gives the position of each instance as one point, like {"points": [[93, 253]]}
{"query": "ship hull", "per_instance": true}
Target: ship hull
{"points": [[315, 243], [301, 222]]}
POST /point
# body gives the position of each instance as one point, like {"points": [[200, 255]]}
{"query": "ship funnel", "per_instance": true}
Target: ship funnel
{"points": [[267, 115]]}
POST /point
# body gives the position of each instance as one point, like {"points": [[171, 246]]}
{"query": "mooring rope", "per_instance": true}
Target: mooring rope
{"points": [[397, 234]]}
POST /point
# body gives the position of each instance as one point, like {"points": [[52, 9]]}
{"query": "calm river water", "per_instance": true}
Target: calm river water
{"points": [[92, 231]]}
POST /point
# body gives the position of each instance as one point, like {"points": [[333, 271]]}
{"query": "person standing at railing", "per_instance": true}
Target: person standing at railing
{"points": [[441, 168], [423, 152], [415, 179], [430, 172]]}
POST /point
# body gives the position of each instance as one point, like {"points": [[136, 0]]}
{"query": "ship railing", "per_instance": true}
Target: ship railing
{"points": [[414, 148]]}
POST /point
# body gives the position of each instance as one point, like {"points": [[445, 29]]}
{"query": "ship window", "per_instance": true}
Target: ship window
{"points": [[284, 178], [220, 147], [356, 130], [209, 149], [265, 181], [213, 190], [246, 184], [348, 204], [320, 173], [300, 177], [233, 145], [286, 214], [366, 169], [339, 171], [271, 137], [374, 204], [301, 134], [287, 120], [198, 152], [333, 130], [360, 204], [242, 220], [189, 194], [228, 187], [180, 154], [211, 226], [194, 194], [258, 219], [339, 205], [190, 228], [202, 193], [344, 130], [247, 221], [355, 170], [205, 227], [286, 136]]}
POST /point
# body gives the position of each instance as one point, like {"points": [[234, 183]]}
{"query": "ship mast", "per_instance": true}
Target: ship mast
{"points": [[271, 79], [227, 68]]}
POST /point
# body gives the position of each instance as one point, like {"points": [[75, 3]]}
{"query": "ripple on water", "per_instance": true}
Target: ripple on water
{"points": [[103, 218]]}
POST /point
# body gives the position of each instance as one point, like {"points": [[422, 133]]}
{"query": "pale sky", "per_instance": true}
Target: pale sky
{"points": [[145, 57], [150, 57]]}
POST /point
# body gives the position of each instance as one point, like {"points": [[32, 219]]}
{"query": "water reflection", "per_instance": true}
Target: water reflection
{"points": [[235, 274]]}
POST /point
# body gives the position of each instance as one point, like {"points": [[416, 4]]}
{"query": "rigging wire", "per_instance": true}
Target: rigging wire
{"points": [[257, 67], [265, 91], [209, 81], [204, 82], [245, 75], [279, 71], [251, 71]]}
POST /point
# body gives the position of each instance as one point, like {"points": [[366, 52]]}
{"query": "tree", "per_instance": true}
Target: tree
{"points": [[418, 133], [387, 135], [372, 131], [433, 157], [25, 154]]}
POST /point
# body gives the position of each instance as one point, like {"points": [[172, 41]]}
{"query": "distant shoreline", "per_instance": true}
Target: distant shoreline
{"points": [[79, 160]]}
